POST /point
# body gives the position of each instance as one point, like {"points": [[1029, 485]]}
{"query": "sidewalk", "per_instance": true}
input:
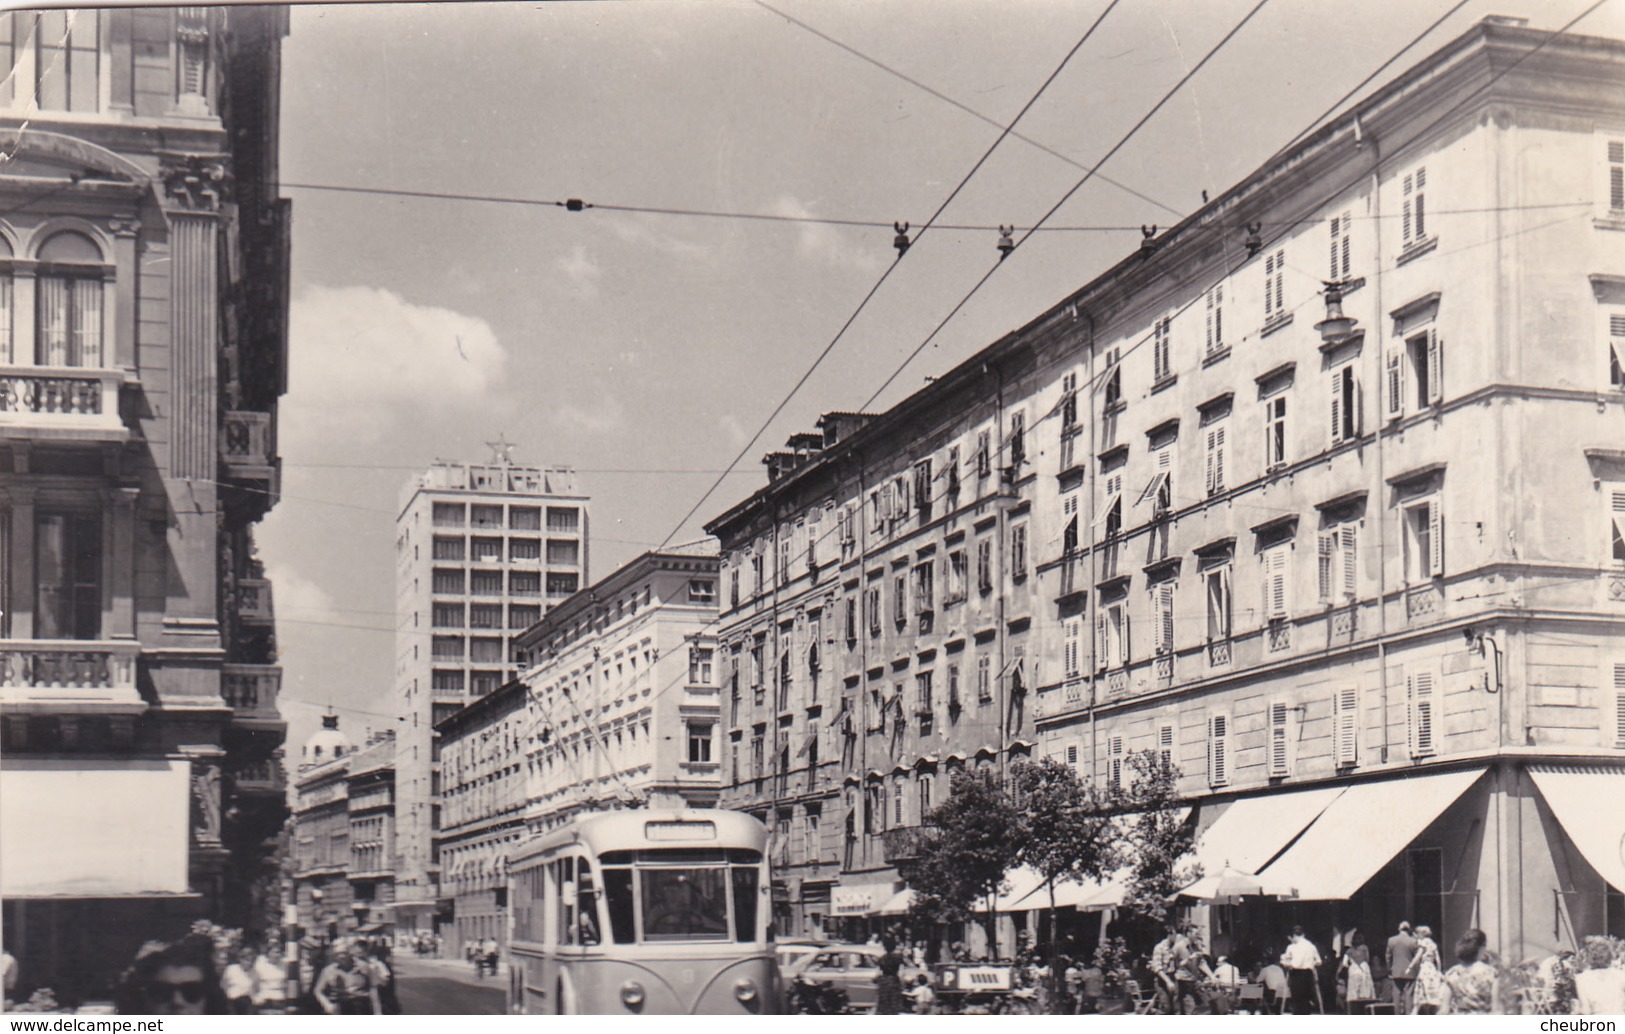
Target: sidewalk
{"points": [[460, 970]]}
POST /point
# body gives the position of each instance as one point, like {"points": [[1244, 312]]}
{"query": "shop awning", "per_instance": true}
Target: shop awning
{"points": [[1364, 828], [860, 899], [1586, 803], [898, 903], [95, 829], [1022, 881], [1252, 831]]}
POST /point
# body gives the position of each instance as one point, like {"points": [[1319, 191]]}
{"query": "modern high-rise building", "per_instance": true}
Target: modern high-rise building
{"points": [[480, 551], [143, 350]]}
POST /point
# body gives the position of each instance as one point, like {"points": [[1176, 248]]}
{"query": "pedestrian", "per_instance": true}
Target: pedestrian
{"points": [[1401, 950], [488, 953], [889, 984], [924, 999], [1427, 993], [237, 983], [270, 981], [8, 973], [1471, 987], [174, 980], [1301, 960], [1600, 990], [1356, 971], [383, 972], [1162, 970], [1091, 988], [344, 988], [1190, 970], [1273, 977]]}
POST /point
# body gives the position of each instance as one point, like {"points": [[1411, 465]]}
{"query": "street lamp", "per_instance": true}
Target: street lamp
{"points": [[1336, 326], [1476, 641]]}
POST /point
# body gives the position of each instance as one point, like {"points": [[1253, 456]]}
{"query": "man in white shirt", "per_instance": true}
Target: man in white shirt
{"points": [[1600, 990], [1300, 960]]}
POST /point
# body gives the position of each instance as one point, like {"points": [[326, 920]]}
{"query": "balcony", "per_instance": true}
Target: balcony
{"points": [[261, 777], [65, 403], [254, 601], [69, 675], [251, 691], [245, 446]]}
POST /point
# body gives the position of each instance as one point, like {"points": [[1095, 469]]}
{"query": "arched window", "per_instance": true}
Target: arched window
{"points": [[68, 328]]}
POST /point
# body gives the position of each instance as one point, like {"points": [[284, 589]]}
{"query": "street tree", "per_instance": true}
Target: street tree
{"points": [[1157, 839], [970, 841]]}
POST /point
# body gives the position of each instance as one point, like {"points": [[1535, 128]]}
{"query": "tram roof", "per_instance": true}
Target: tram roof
{"points": [[630, 830]]}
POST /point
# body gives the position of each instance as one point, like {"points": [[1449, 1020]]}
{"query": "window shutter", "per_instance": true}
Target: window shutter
{"points": [[1420, 716], [1114, 748], [1616, 175], [1269, 280], [1617, 714], [1435, 368], [1337, 406], [1435, 539], [1211, 347], [1350, 565], [1218, 750], [1165, 746], [1393, 381], [1102, 645], [1123, 636], [1072, 647], [1337, 224], [1280, 742], [1275, 583], [1614, 516], [1346, 725], [1406, 218], [1218, 460], [1326, 548], [1165, 617]]}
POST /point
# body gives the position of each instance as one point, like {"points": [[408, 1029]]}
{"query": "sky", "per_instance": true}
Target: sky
{"points": [[648, 349]]}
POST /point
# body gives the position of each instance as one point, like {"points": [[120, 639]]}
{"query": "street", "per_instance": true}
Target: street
{"points": [[446, 987]]}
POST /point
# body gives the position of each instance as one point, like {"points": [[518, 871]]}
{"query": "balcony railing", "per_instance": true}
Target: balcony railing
{"points": [[245, 445], [1218, 653], [254, 601], [57, 671], [1162, 668], [1117, 684], [1278, 636], [62, 402], [1421, 602], [251, 691]]}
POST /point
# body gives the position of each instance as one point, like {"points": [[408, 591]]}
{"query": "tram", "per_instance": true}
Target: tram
{"points": [[654, 911]]}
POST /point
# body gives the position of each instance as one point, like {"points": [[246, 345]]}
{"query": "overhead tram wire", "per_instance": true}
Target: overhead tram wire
{"points": [[967, 109], [1068, 196], [888, 272]]}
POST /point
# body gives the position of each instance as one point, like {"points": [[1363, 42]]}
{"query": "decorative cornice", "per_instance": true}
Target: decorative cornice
{"points": [[196, 182]]}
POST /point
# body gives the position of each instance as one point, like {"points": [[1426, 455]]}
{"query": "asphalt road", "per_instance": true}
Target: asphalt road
{"points": [[441, 989]]}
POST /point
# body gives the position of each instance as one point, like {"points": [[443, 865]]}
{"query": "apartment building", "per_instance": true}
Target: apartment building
{"points": [[341, 843], [1318, 493], [143, 349], [481, 552]]}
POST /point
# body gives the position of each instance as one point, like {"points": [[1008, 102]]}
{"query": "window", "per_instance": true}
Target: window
{"points": [[757, 756], [922, 490], [1613, 499], [66, 58], [984, 679], [523, 616], [957, 577], [559, 551], [486, 550], [1069, 524], [558, 584], [952, 470], [1280, 750], [1213, 437], [1162, 349], [525, 518], [984, 564], [68, 565], [1413, 217], [1341, 227], [446, 548], [1162, 618], [485, 615], [733, 588], [1614, 174], [849, 609], [699, 743], [897, 801], [1346, 726], [702, 590], [531, 549], [1274, 279], [1018, 551], [484, 583], [1072, 647], [1111, 631], [1069, 401], [448, 615], [1215, 320], [815, 520], [924, 704], [1418, 360], [1112, 508], [1420, 703], [485, 650], [68, 328], [984, 461], [700, 665], [758, 572], [873, 601], [1218, 750], [758, 650], [786, 549], [1345, 404], [899, 588], [1424, 540], [1165, 746], [449, 515], [447, 682], [1277, 584], [1616, 350], [563, 518], [1114, 762], [1275, 432], [953, 689], [1018, 440], [447, 581], [1216, 583], [925, 795], [1112, 391], [447, 647], [487, 516], [925, 595]]}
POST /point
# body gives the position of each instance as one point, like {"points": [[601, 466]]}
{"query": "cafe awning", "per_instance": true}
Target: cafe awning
{"points": [[1362, 830], [1579, 797], [898, 903], [1253, 830], [860, 899], [1022, 881]]}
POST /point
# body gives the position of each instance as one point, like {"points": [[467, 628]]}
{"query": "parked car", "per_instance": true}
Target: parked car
{"points": [[794, 950], [851, 968]]}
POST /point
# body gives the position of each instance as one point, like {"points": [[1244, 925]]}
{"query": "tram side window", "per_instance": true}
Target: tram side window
{"points": [[587, 900], [564, 879], [685, 904], [745, 890], [618, 896]]}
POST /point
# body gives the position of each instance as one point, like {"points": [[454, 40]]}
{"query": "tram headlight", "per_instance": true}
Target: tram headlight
{"points": [[745, 990], [632, 994]]}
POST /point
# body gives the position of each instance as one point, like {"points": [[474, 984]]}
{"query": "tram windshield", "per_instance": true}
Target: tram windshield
{"points": [[681, 895]]}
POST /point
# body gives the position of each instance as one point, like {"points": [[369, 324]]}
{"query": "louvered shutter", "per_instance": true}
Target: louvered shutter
{"points": [[1349, 565], [1405, 218], [1102, 645], [1165, 617], [1346, 725], [1114, 761], [1435, 539], [1269, 280], [1280, 742], [1072, 648], [1421, 205], [1275, 583], [1326, 548], [1218, 458], [1165, 746], [1337, 225], [1616, 350], [1123, 634], [1616, 175], [1617, 712], [1420, 687], [1218, 750], [1614, 505], [1393, 382], [1435, 368], [1337, 406]]}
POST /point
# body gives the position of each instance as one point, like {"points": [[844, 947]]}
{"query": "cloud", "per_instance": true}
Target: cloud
{"points": [[821, 242], [298, 596], [737, 435], [605, 417], [581, 271], [367, 363]]}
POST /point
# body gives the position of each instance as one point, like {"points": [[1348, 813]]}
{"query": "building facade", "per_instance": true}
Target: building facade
{"points": [[1349, 556], [143, 348], [481, 552]]}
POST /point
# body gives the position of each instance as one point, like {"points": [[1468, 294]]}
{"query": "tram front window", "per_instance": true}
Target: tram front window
{"points": [[744, 888], [685, 904], [618, 897]]}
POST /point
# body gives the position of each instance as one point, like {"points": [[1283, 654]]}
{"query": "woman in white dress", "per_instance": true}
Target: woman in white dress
{"points": [[1357, 969], [1428, 992]]}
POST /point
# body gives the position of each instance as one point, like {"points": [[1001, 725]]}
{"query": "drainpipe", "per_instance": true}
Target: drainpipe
{"points": [[1087, 487], [1001, 694], [1376, 505]]}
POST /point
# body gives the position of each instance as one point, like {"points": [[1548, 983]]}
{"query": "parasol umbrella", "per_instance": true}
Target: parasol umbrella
{"points": [[1229, 884]]}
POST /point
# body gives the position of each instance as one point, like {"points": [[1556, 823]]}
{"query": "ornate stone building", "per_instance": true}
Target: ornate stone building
{"points": [[143, 314]]}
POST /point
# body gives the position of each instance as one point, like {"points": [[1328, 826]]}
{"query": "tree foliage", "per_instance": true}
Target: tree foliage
{"points": [[1067, 829], [1156, 838], [970, 840]]}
